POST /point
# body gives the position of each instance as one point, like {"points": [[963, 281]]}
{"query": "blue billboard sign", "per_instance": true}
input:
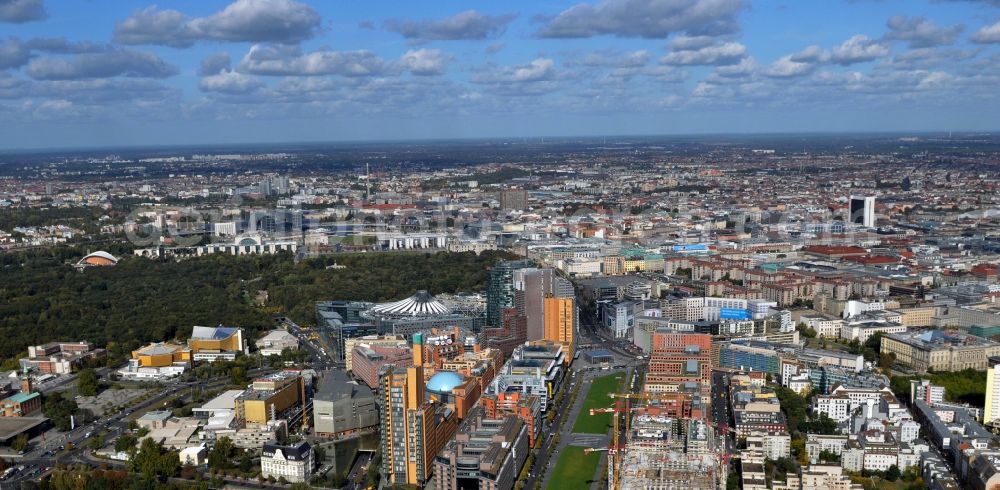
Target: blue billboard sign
{"points": [[697, 247], [734, 314]]}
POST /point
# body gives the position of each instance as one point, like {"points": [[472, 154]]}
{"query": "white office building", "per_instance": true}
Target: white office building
{"points": [[293, 463]]}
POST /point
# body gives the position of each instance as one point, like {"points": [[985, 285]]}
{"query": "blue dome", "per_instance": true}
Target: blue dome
{"points": [[444, 381]]}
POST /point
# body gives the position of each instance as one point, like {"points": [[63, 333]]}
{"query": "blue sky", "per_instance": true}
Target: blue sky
{"points": [[106, 73]]}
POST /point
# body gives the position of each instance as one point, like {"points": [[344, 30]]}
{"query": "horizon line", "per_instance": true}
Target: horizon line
{"points": [[535, 139]]}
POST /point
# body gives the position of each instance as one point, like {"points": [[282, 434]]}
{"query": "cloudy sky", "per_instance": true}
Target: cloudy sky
{"points": [[122, 72]]}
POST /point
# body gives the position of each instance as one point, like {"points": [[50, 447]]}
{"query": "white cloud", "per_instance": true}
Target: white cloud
{"points": [[13, 53], [288, 60], [858, 49], [618, 59], [425, 61], [276, 21], [787, 67], [230, 82], [539, 69], [121, 62], [987, 34], [645, 18], [469, 25], [921, 32], [727, 53], [20, 11]]}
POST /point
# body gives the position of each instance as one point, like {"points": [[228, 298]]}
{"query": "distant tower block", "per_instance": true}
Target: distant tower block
{"points": [[863, 211]]}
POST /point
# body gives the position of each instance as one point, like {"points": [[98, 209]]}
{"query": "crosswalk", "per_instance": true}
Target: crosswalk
{"points": [[589, 440]]}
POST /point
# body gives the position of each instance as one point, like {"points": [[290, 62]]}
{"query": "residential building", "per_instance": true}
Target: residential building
{"points": [[928, 392], [527, 407], [773, 445]]}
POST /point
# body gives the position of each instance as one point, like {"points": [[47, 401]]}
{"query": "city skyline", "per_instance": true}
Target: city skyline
{"points": [[253, 71]]}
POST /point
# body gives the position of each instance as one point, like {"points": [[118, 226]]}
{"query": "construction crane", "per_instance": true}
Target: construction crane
{"points": [[622, 406], [616, 448], [660, 397]]}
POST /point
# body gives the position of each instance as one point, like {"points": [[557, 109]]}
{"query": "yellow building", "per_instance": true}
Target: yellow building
{"points": [[560, 323], [160, 354], [922, 316], [611, 265], [211, 343], [633, 264], [269, 396]]}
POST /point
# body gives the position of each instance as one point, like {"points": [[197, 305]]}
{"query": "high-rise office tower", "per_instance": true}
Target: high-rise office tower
{"points": [[500, 289], [862, 210], [991, 413], [531, 286], [413, 428], [560, 322], [513, 199]]}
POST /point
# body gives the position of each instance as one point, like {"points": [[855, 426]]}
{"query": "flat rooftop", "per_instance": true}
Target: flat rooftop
{"points": [[225, 401], [10, 427]]}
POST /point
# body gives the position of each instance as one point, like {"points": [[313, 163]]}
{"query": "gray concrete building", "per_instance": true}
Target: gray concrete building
{"points": [[342, 406]]}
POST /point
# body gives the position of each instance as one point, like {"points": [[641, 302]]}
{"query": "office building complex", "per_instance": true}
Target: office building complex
{"points": [[269, 397], [60, 357], [417, 313], [679, 359], [486, 453], [535, 368], [414, 426], [938, 350], [512, 332], [342, 321], [369, 359], [371, 340]]}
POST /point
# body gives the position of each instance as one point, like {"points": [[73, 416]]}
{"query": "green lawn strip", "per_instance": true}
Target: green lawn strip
{"points": [[574, 470], [598, 397]]}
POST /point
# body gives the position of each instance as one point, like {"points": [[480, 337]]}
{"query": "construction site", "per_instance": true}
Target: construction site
{"points": [[664, 444]]}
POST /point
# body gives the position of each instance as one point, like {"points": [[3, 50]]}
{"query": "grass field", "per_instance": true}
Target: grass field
{"points": [[597, 397], [574, 470]]}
